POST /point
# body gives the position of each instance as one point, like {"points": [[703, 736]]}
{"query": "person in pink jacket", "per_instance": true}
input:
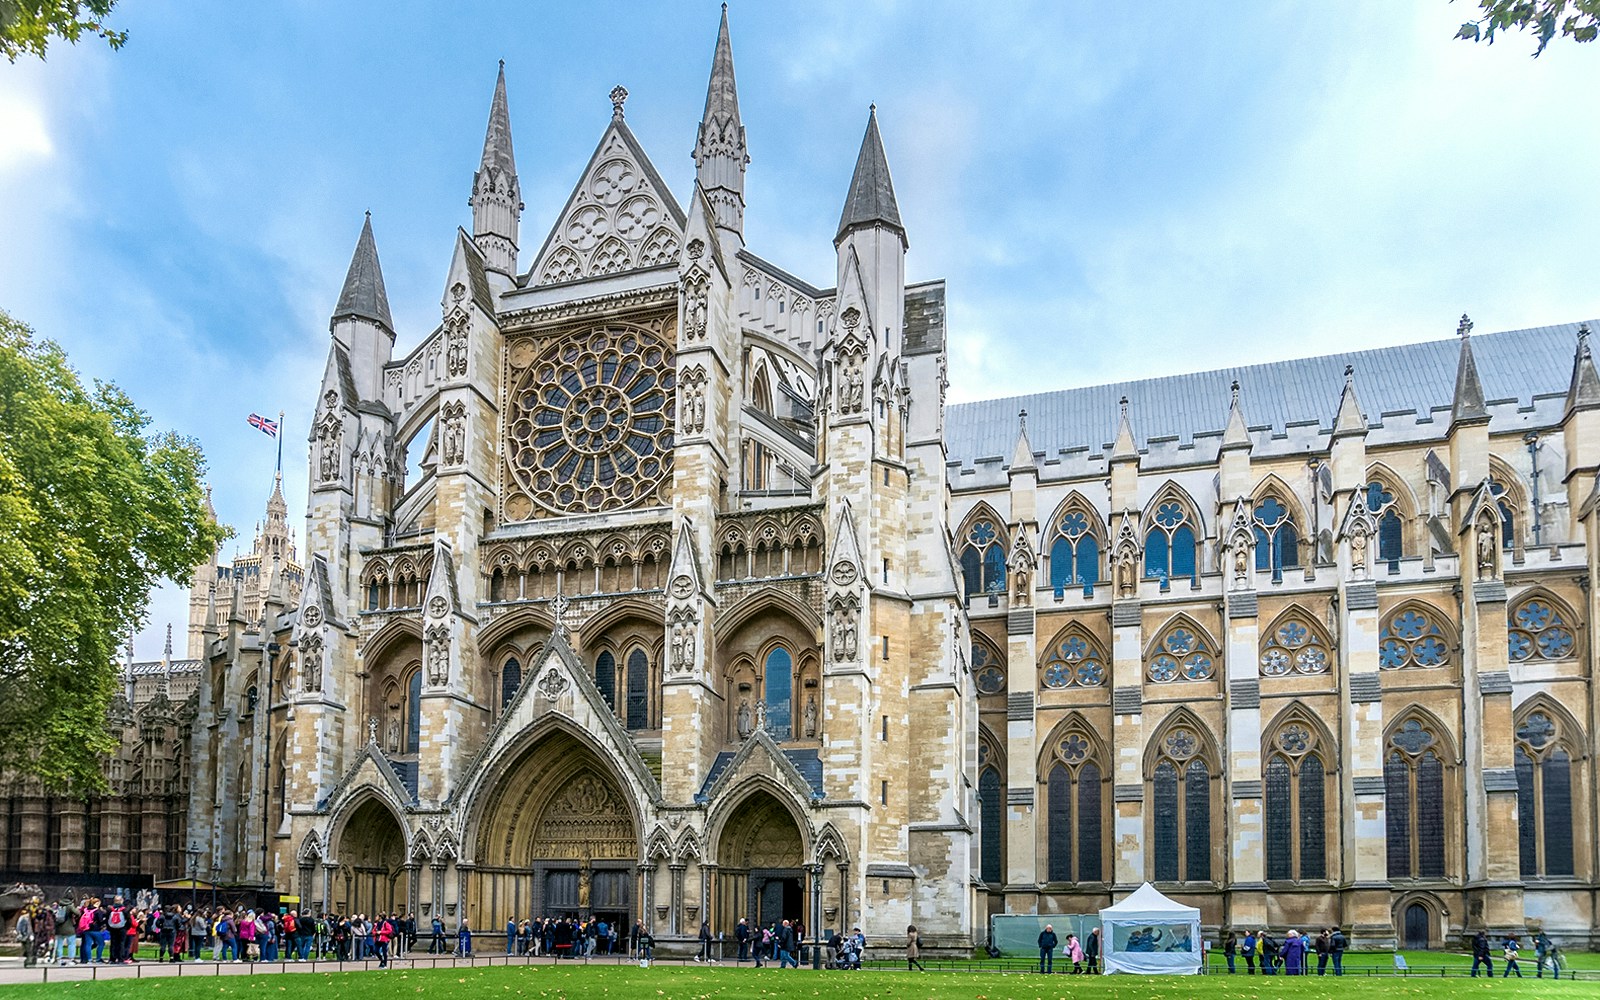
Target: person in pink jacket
{"points": [[1075, 953], [247, 936]]}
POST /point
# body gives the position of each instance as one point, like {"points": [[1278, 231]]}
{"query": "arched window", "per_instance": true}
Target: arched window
{"points": [[1169, 545], [605, 677], [1180, 786], [779, 670], [988, 669], [1295, 790], [1380, 501], [1412, 638], [1508, 515], [638, 690], [991, 817], [510, 680], [1413, 781], [761, 391], [983, 560], [372, 594], [1076, 794], [1544, 796], [1539, 631], [1277, 541], [1295, 645], [1181, 653], [414, 711], [1075, 554], [1075, 659]]}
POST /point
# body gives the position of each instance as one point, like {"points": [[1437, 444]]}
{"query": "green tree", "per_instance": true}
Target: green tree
{"points": [[94, 511], [1575, 19], [27, 26]]}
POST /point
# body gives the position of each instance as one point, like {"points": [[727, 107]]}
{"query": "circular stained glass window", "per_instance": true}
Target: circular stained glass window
{"points": [[590, 422]]}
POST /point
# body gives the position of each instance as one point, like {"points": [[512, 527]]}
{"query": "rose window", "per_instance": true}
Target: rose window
{"points": [[1294, 647], [590, 423]]}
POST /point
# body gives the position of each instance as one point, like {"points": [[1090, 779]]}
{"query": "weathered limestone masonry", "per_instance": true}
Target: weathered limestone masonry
{"points": [[657, 583]]}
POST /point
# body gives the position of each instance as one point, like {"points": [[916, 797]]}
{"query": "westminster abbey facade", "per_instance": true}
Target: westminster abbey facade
{"points": [[655, 582]]}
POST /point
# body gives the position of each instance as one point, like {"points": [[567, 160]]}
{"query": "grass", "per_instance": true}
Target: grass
{"points": [[544, 982]]}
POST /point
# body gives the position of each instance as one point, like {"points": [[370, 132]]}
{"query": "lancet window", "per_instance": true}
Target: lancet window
{"points": [[983, 559], [1544, 760], [1169, 544], [1277, 540], [1414, 801], [1381, 503], [1075, 797], [1075, 553], [1295, 790], [1180, 787]]}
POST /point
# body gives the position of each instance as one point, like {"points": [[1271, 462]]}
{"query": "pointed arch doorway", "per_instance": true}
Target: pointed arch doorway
{"points": [[761, 865], [372, 876]]}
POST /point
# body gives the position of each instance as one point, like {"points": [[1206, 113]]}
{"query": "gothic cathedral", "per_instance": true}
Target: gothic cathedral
{"points": [[657, 583]]}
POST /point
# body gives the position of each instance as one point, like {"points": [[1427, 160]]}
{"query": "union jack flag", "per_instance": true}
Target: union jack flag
{"points": [[265, 426]]}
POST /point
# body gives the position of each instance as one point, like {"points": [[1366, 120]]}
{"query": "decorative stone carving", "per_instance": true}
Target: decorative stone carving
{"points": [[696, 286], [1488, 547], [330, 435], [438, 655], [553, 684], [844, 573], [1126, 572], [682, 586], [692, 406], [1241, 547], [391, 735], [312, 617], [1022, 563], [453, 433], [372, 730], [438, 607], [455, 352], [745, 722], [852, 360], [682, 627], [842, 620], [614, 222], [809, 722], [311, 663], [1359, 528]]}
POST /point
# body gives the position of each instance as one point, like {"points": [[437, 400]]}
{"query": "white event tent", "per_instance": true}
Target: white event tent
{"points": [[1147, 933]]}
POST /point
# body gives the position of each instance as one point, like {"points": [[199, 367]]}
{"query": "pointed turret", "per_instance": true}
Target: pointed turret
{"points": [[1022, 454], [720, 155], [1349, 419], [1125, 447], [1237, 433], [871, 199], [363, 296], [274, 543], [496, 195], [1584, 390], [1468, 403]]}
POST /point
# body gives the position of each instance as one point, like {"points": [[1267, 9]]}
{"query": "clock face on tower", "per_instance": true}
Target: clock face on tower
{"points": [[589, 421]]}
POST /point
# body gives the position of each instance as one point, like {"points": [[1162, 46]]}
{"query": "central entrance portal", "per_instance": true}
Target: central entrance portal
{"points": [[760, 875]]}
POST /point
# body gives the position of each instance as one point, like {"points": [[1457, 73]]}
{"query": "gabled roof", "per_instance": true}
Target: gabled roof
{"points": [[1420, 378], [363, 295], [871, 198]]}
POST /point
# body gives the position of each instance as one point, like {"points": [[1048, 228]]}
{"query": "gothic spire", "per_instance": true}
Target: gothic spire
{"points": [[363, 296], [1584, 391], [1468, 404], [496, 195], [1022, 453], [720, 156], [1237, 433], [1349, 420], [871, 198], [1125, 447]]}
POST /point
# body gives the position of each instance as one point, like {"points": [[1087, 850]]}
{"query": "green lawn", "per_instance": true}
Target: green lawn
{"points": [[697, 983]]}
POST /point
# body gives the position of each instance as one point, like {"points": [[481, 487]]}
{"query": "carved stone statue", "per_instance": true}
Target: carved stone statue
{"points": [[1241, 566], [585, 883], [452, 436], [372, 729], [1127, 574], [844, 631], [391, 736], [1486, 548], [745, 722], [438, 655], [311, 664], [850, 387], [456, 353], [328, 449], [1358, 555], [694, 308], [809, 725], [1021, 581]]}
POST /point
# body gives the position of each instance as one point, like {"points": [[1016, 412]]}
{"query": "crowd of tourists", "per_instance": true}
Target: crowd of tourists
{"points": [[1290, 956], [569, 937], [1546, 955]]}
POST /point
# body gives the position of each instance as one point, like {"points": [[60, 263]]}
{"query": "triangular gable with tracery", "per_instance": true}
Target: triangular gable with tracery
{"points": [[620, 217]]}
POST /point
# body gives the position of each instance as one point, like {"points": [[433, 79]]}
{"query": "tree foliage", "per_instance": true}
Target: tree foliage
{"points": [[94, 511], [28, 26], [1575, 19]]}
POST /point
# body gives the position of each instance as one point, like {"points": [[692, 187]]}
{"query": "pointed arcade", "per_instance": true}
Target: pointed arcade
{"points": [[871, 199], [363, 296]]}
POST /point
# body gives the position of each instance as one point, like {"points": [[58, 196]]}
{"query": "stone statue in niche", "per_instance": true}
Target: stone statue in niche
{"points": [[311, 663], [585, 882], [391, 736], [1022, 581], [1241, 566], [455, 355], [453, 434], [850, 387], [1127, 573], [745, 722], [844, 632], [1358, 555], [328, 449], [438, 655], [1486, 548], [809, 727], [372, 729]]}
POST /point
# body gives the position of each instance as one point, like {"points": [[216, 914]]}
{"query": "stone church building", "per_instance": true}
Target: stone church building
{"points": [[658, 583]]}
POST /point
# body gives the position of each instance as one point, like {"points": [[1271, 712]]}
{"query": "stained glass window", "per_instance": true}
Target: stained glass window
{"points": [[1313, 813], [1430, 816], [992, 816], [987, 673], [1164, 789], [1075, 554], [1415, 803], [1539, 631], [638, 690], [1169, 546], [605, 678], [1544, 798], [1075, 660], [1090, 794], [1380, 502], [983, 559], [1059, 822], [1508, 516], [1181, 654], [1073, 785], [1295, 646], [1279, 829], [1277, 541], [1397, 814], [414, 712], [1412, 638], [780, 682], [510, 680], [1197, 821], [1181, 807]]}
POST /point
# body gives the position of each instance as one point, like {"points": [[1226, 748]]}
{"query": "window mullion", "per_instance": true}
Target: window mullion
{"points": [[1537, 805]]}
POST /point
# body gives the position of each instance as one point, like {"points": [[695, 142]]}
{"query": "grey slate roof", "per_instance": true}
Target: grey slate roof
{"points": [[808, 762], [924, 320], [1514, 365], [871, 197], [363, 295]]}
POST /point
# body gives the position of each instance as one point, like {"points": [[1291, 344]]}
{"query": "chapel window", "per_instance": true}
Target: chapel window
{"points": [[1075, 554], [1277, 541], [1181, 653], [1544, 796], [1180, 788], [1075, 660], [988, 670], [1539, 631], [1075, 796], [1412, 638], [510, 680], [779, 680], [1381, 504], [983, 560], [1169, 545], [1413, 779], [414, 711], [1295, 645], [605, 677], [1295, 790], [638, 690]]}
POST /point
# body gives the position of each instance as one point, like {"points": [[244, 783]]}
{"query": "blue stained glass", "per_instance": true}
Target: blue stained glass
{"points": [[994, 570], [1197, 667], [980, 656], [982, 533], [1293, 634], [1091, 673], [1169, 515], [1197, 822], [1311, 661], [1155, 553], [1378, 497], [991, 680], [605, 677], [1089, 798], [779, 683], [972, 571], [1074, 524], [1180, 641], [1389, 539], [510, 680], [1088, 562], [1508, 526], [1059, 824], [1060, 565], [1163, 668], [639, 690], [991, 813], [1555, 643], [1057, 675], [1183, 552], [1518, 645], [1392, 654], [1164, 789], [1534, 616], [1074, 748], [1410, 625], [1429, 652], [1263, 549], [1270, 512], [414, 712], [1287, 546], [1074, 647]]}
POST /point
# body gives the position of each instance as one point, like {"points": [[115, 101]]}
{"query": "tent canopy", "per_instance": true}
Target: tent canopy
{"points": [[1147, 933]]}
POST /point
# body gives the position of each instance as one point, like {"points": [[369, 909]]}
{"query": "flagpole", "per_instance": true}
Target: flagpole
{"points": [[280, 442]]}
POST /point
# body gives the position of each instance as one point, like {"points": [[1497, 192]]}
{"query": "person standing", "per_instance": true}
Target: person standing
{"points": [[117, 924], [1337, 943], [385, 935], [1249, 948], [1541, 952], [704, 954], [913, 949], [24, 931], [464, 939], [1075, 953], [1091, 953], [1047, 949], [786, 947], [436, 946], [741, 935], [66, 931], [1511, 959], [1230, 950], [1481, 956]]}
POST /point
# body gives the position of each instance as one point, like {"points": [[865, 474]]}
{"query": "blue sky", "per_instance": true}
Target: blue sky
{"points": [[1112, 190]]}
